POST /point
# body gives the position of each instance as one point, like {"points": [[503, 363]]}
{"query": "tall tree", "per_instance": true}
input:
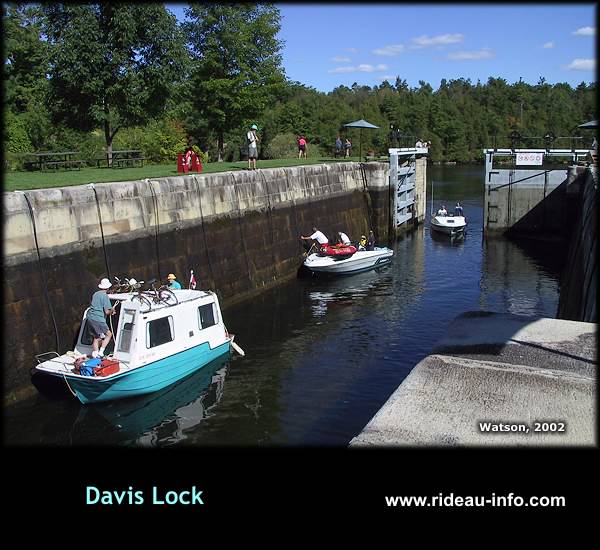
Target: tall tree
{"points": [[112, 65], [236, 68]]}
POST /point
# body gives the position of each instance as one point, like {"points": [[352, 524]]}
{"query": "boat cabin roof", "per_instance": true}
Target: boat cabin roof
{"points": [[183, 295]]}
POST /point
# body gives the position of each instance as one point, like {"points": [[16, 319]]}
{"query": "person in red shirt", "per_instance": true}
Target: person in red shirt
{"points": [[302, 147]]}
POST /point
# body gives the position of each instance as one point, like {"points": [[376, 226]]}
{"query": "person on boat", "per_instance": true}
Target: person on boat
{"points": [[362, 244], [343, 239], [96, 318], [316, 236], [371, 241], [458, 210], [442, 211], [174, 284]]}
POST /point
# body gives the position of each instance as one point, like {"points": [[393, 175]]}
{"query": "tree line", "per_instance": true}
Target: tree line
{"points": [[100, 76]]}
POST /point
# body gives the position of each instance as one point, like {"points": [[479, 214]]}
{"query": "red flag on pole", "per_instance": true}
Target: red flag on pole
{"points": [[192, 280]]}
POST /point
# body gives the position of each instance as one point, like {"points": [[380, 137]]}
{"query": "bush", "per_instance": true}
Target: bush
{"points": [[17, 139], [282, 146], [161, 141]]}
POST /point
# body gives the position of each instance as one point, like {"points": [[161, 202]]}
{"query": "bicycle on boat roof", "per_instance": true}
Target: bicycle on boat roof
{"points": [[161, 295]]}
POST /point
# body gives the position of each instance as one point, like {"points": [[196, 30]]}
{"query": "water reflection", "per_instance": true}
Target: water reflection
{"points": [[163, 418], [522, 283]]}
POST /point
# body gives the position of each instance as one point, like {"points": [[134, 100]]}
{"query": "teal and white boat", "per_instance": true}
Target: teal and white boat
{"points": [[154, 347]]}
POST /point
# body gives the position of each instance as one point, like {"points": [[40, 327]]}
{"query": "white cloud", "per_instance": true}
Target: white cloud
{"points": [[582, 65], [386, 77], [441, 39], [352, 50], [363, 68], [484, 53], [548, 45], [389, 50], [340, 59], [585, 31]]}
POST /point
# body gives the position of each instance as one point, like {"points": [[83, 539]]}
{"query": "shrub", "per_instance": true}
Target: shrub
{"points": [[282, 146], [161, 141]]}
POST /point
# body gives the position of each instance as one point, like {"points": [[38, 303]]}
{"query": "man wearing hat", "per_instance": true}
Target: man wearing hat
{"points": [[362, 243], [252, 147], [174, 284], [96, 317]]}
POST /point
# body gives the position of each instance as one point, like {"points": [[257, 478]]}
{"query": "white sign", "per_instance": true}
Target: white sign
{"points": [[530, 158]]}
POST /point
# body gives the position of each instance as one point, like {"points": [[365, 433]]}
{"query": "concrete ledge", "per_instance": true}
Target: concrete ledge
{"points": [[498, 369]]}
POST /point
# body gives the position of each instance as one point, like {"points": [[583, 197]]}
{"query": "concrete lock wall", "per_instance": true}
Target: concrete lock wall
{"points": [[579, 280], [238, 231], [532, 205]]}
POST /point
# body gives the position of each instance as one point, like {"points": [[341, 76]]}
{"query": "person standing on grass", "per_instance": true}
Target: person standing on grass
{"points": [[253, 140], [348, 147], [302, 147]]}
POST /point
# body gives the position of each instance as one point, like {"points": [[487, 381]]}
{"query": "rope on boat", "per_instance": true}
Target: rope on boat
{"points": [[93, 187], [69, 385], [42, 272]]}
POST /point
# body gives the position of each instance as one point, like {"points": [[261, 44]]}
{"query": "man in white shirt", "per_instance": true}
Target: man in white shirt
{"points": [[344, 239], [317, 236]]}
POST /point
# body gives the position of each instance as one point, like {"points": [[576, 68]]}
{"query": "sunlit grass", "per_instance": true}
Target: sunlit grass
{"points": [[64, 178]]}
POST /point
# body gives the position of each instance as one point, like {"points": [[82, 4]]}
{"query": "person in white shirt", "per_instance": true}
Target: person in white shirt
{"points": [[419, 144], [252, 140], [316, 236], [442, 211], [343, 238]]}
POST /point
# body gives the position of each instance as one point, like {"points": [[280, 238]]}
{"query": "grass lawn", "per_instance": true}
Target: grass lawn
{"points": [[64, 178]]}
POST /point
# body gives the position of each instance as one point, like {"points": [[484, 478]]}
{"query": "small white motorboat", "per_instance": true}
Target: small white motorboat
{"points": [[362, 260], [445, 223], [154, 347], [450, 225]]}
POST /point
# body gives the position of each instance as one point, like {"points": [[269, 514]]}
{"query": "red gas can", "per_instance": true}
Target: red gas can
{"points": [[108, 366]]}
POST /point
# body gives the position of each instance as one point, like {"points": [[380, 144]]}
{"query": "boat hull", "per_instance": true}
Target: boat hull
{"points": [[448, 225], [359, 262], [145, 379]]}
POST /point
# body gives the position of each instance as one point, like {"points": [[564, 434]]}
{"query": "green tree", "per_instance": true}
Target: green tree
{"points": [[112, 65], [236, 71]]}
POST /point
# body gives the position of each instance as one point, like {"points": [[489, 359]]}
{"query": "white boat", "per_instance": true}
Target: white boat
{"points": [[446, 224], [154, 347], [449, 225], [363, 260]]}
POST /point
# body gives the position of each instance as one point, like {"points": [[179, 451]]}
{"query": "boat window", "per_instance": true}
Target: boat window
{"points": [[450, 221], [87, 339], [159, 331], [206, 316], [127, 330]]}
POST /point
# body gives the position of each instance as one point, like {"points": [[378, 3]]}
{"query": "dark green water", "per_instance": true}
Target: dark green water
{"points": [[322, 355]]}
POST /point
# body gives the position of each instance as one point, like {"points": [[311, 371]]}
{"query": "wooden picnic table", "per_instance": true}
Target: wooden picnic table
{"points": [[123, 157], [44, 160]]}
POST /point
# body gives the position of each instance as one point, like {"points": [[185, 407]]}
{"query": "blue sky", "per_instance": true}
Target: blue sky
{"points": [[327, 45]]}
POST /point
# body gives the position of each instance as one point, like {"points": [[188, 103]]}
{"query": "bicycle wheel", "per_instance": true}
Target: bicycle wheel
{"points": [[146, 304], [168, 297]]}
